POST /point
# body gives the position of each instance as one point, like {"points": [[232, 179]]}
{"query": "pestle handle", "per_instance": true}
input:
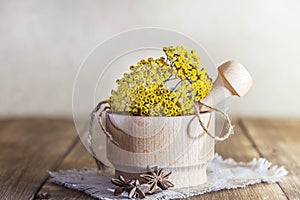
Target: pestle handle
{"points": [[233, 80]]}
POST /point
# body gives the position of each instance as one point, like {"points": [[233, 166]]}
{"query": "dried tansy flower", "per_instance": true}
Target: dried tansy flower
{"points": [[162, 87]]}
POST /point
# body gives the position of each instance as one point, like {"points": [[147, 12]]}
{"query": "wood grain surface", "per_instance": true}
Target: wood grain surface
{"points": [[31, 147]]}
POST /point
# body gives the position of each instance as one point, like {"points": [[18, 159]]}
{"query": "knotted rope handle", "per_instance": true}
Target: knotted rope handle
{"points": [[102, 166], [229, 124]]}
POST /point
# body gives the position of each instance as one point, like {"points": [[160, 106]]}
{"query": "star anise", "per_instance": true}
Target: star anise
{"points": [[122, 184], [157, 178], [137, 190], [133, 187]]}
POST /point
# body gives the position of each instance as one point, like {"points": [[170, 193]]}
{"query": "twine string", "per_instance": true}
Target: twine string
{"points": [[101, 124], [229, 132], [90, 128], [101, 166]]}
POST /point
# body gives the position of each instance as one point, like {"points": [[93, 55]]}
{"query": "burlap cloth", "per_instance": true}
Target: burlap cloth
{"points": [[222, 174]]}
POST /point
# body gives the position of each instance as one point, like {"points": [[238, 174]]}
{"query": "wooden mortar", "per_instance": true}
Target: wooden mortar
{"points": [[177, 144]]}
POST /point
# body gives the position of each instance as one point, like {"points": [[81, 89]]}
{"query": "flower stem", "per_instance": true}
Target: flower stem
{"points": [[174, 88]]}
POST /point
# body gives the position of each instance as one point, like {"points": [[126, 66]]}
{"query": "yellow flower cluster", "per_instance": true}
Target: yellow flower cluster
{"points": [[187, 64], [143, 91], [148, 90], [153, 100]]}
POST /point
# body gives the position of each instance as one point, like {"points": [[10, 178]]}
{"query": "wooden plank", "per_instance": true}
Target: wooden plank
{"points": [[4, 124], [279, 141], [78, 158], [30, 147], [239, 147]]}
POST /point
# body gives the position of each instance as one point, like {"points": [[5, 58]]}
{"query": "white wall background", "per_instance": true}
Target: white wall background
{"points": [[42, 44]]}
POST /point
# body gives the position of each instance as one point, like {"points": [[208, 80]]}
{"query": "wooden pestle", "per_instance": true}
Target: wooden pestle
{"points": [[233, 80]]}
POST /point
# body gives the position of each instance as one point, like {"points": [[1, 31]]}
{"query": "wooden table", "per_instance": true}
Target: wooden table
{"points": [[31, 147]]}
